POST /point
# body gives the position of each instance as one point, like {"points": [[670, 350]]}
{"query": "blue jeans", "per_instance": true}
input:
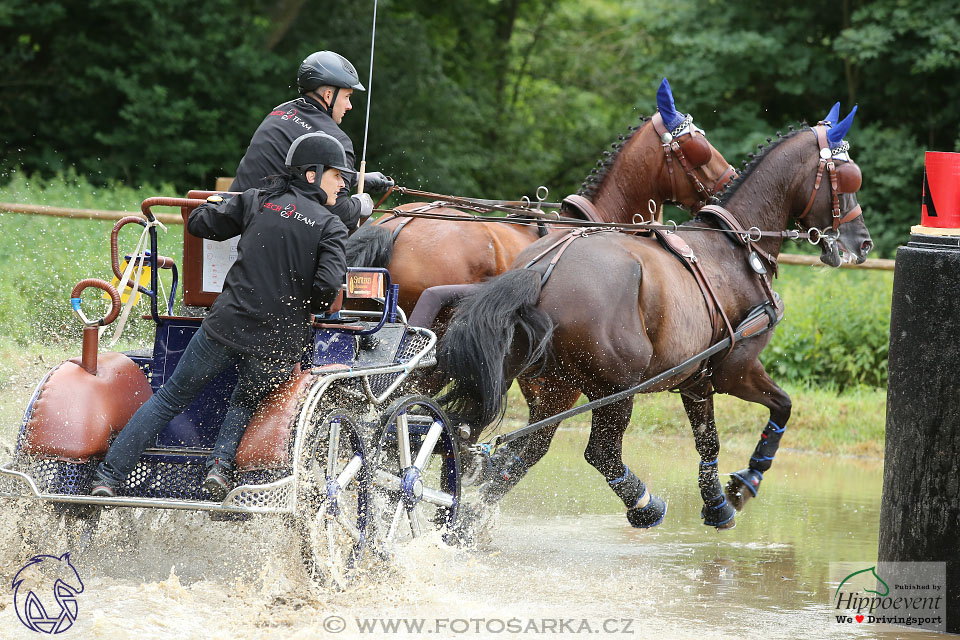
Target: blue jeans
{"points": [[203, 360]]}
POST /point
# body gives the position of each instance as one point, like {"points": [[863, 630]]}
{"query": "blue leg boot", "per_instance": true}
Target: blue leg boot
{"points": [[631, 490], [716, 512], [745, 484]]}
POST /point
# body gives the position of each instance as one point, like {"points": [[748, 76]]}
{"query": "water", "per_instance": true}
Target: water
{"points": [[560, 558]]}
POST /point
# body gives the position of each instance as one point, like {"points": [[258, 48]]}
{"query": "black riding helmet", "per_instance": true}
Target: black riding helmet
{"points": [[327, 68], [315, 152]]}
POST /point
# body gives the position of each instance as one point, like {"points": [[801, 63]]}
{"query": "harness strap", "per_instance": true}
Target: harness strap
{"points": [[825, 163], [727, 219], [584, 206], [403, 223], [661, 129], [718, 317], [562, 243]]}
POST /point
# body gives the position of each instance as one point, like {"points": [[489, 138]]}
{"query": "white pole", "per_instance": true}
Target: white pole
{"points": [[366, 124]]}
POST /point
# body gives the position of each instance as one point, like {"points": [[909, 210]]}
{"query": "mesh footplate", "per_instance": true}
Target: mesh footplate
{"points": [[273, 499], [155, 479], [176, 481], [412, 344], [58, 476]]}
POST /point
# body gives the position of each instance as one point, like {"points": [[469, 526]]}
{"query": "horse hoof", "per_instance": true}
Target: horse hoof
{"points": [[719, 515], [648, 516], [743, 486]]}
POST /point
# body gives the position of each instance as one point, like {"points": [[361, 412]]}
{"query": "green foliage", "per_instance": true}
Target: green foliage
{"points": [[488, 99], [42, 258], [836, 328]]}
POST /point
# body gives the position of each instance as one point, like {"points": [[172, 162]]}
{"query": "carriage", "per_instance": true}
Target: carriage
{"points": [[343, 448]]}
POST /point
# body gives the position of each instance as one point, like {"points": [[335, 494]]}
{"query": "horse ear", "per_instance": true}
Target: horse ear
{"points": [[834, 114], [668, 112], [836, 133], [66, 556]]}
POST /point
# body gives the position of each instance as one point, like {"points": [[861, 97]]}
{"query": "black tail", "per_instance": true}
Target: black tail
{"points": [[370, 246], [473, 352]]}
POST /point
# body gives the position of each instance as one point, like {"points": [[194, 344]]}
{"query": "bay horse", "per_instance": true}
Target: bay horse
{"points": [[619, 309], [643, 167]]}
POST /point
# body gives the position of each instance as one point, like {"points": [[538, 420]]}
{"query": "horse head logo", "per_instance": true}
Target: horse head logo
{"points": [[288, 210], [32, 588]]}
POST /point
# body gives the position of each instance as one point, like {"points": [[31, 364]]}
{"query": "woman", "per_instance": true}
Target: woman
{"points": [[290, 262]]}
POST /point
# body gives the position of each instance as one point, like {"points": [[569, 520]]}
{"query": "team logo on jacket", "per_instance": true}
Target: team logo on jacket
{"points": [[290, 115], [285, 211], [289, 211]]}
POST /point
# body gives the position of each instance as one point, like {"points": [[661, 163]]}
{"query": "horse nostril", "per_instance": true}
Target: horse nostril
{"points": [[865, 247]]}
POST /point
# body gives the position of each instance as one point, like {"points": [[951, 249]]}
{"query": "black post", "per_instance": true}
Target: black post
{"points": [[920, 511]]}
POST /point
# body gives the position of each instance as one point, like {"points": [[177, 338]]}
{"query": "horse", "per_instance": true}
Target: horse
{"points": [[619, 309], [32, 588], [644, 170]]}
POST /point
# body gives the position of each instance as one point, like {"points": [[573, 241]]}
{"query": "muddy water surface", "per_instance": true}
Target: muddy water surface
{"points": [[559, 560]]}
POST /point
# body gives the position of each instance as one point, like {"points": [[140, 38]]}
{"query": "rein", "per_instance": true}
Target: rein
{"points": [[813, 235]]}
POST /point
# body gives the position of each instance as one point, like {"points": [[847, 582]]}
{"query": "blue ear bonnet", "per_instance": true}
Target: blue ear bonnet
{"points": [[668, 112], [838, 130], [834, 116]]}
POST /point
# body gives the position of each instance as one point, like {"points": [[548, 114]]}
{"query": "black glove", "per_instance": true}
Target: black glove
{"points": [[366, 206], [376, 182]]}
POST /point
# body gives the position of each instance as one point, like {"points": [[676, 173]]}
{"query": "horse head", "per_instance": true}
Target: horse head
{"points": [[833, 212], [707, 170], [667, 159], [42, 578]]}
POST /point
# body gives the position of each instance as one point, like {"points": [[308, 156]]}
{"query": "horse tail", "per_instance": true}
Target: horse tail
{"points": [[370, 246], [495, 322]]}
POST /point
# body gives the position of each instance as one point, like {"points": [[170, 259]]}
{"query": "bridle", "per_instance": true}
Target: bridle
{"points": [[692, 151], [843, 179]]}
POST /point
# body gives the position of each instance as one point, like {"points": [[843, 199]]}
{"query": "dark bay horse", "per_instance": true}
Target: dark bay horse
{"points": [[643, 167], [619, 309]]}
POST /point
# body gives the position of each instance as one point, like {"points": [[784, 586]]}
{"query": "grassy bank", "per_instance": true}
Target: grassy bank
{"points": [[851, 422], [829, 352]]}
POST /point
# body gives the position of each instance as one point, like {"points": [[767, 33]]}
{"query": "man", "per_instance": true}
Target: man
{"points": [[326, 81], [290, 262]]}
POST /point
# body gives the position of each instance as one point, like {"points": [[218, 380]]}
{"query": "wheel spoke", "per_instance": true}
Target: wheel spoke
{"points": [[344, 522], [387, 480], [333, 448], [429, 442], [396, 521], [350, 471], [403, 440], [415, 528], [438, 498], [332, 563]]}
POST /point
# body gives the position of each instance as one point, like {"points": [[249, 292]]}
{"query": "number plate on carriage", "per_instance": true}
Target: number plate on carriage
{"points": [[364, 284]]}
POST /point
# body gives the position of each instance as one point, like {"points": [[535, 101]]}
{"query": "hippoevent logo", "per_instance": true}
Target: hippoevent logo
{"points": [[45, 593], [903, 594]]}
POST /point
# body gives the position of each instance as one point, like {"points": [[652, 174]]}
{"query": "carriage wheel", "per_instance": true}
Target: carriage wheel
{"points": [[333, 498], [416, 473]]}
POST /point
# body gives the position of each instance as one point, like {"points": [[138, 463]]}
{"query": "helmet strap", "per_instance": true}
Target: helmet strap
{"points": [[328, 108]]}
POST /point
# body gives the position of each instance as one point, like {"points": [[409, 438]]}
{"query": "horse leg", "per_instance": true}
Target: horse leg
{"points": [[605, 452], [545, 397], [756, 386], [698, 404]]}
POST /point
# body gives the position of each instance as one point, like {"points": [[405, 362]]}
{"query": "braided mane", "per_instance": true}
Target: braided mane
{"points": [[594, 180], [754, 159]]}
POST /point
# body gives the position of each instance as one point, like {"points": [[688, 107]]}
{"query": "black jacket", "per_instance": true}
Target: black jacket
{"points": [[290, 261], [270, 142]]}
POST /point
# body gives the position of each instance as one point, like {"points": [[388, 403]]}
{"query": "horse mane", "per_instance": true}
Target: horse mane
{"points": [[755, 159], [598, 174]]}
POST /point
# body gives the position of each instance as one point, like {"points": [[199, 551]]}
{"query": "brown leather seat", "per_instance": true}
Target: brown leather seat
{"points": [[76, 412]]}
